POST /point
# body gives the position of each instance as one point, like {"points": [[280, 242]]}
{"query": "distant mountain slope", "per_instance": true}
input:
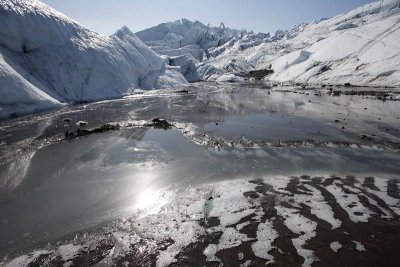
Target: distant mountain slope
{"points": [[181, 38], [361, 47], [183, 33], [47, 58]]}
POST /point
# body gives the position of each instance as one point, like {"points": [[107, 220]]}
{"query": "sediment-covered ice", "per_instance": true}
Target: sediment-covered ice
{"points": [[222, 213]]}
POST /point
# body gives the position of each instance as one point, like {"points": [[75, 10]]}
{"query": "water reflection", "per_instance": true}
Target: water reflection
{"points": [[48, 191], [77, 184], [12, 173]]}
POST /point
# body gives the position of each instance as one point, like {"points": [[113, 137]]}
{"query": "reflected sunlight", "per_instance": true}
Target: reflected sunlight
{"points": [[151, 200]]}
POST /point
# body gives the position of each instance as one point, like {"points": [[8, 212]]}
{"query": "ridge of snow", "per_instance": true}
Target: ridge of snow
{"points": [[359, 47], [47, 59]]}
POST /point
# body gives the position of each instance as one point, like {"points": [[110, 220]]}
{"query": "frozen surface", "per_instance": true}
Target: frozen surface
{"points": [[351, 203], [302, 226], [266, 235], [335, 246], [35, 75], [359, 47], [180, 225], [183, 209], [359, 246], [218, 183]]}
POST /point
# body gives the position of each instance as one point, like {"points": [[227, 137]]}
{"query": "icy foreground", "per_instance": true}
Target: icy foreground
{"points": [[360, 47], [47, 59], [285, 220], [220, 186]]}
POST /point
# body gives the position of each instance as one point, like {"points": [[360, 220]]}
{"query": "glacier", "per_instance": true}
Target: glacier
{"points": [[47, 60], [360, 47]]}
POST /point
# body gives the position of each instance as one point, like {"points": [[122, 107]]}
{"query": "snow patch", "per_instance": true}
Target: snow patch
{"points": [[350, 203], [360, 247], [335, 246], [302, 226], [266, 235]]}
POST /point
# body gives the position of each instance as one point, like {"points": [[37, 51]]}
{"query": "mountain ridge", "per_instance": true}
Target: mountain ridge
{"points": [[357, 47]]}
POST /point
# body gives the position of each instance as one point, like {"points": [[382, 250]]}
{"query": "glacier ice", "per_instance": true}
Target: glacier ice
{"points": [[47, 59]]}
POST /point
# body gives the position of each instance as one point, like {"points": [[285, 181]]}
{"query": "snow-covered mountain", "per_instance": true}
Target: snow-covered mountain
{"points": [[188, 43], [182, 36], [360, 47], [47, 59]]}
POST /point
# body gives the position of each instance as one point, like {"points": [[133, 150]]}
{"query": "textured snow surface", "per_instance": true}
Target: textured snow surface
{"points": [[47, 58], [273, 206], [350, 203], [359, 246], [360, 47], [25, 260], [18, 93], [335, 246], [266, 235], [183, 36], [304, 227]]}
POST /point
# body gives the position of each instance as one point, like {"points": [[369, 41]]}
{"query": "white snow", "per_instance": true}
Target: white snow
{"points": [[232, 218], [18, 95], [231, 238], [279, 183], [68, 252], [210, 252], [266, 235], [359, 47], [231, 202], [335, 246], [319, 206], [25, 260], [82, 123], [302, 226], [359, 246], [228, 78], [180, 215], [186, 37], [350, 203], [170, 78], [123, 242], [381, 193], [47, 59], [187, 64]]}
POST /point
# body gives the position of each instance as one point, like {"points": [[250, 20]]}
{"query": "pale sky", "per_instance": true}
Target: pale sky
{"points": [[106, 16]]}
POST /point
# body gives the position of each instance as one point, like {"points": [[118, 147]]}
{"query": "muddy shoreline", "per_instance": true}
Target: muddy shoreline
{"points": [[370, 243], [208, 176]]}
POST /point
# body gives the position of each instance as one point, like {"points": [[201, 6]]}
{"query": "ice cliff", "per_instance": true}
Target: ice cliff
{"points": [[47, 59]]}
